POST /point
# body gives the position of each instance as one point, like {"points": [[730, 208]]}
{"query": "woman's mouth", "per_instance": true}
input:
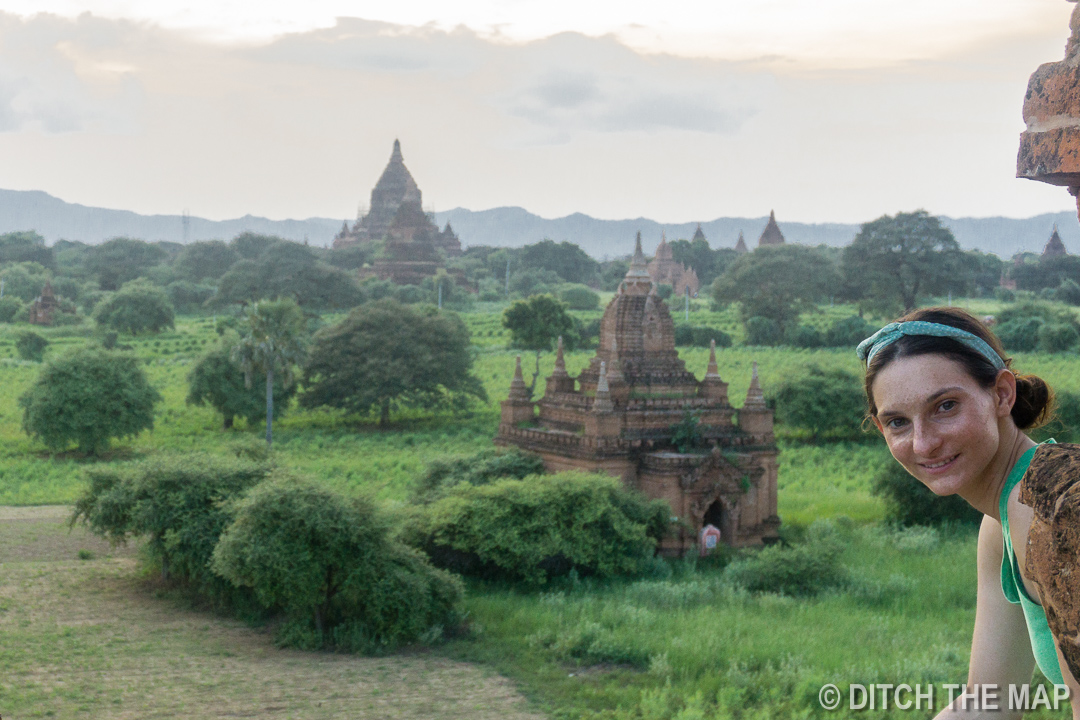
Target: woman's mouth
{"points": [[941, 464]]}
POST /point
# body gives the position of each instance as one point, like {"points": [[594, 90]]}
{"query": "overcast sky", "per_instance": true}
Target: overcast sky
{"points": [[824, 110]]}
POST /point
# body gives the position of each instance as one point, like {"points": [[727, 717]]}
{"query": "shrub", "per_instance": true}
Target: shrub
{"points": [[9, 307], [1064, 426], [31, 346], [848, 332], [689, 335], [176, 504], [482, 468], [909, 502], [1004, 294], [1057, 337], [1021, 334], [824, 402], [1068, 292], [579, 297], [799, 570], [542, 526], [87, 397], [322, 558], [664, 291], [762, 331], [137, 307], [803, 336], [1019, 325]]}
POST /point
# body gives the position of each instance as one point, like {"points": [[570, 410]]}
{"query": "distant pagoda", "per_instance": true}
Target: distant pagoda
{"points": [[618, 416], [740, 247], [665, 271], [411, 240], [771, 235], [1054, 247]]}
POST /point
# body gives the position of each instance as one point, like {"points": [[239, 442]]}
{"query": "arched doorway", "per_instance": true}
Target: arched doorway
{"points": [[719, 516]]}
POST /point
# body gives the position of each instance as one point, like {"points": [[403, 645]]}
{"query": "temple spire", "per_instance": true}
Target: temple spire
{"points": [[518, 389], [616, 371], [560, 362], [755, 398], [712, 370], [603, 392], [395, 156], [638, 274]]}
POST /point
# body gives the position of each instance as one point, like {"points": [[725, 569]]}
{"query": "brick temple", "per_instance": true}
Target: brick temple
{"points": [[617, 417], [664, 270], [413, 247]]}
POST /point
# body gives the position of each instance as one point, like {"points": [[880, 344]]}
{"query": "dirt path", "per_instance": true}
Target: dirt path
{"points": [[86, 638]]}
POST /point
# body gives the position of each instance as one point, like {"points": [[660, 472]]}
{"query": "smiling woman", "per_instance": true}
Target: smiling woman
{"points": [[953, 412]]}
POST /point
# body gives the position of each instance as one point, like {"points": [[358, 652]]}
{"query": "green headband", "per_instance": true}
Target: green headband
{"points": [[894, 331]]}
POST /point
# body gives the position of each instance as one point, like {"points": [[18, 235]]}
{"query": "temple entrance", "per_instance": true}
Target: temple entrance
{"points": [[719, 517]]}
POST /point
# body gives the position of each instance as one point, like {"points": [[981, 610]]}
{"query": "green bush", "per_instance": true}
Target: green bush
{"points": [[664, 291], [1019, 325], [328, 561], [9, 307], [579, 297], [689, 335], [1004, 294], [137, 307], [176, 504], [800, 570], [824, 402], [1057, 337], [848, 332], [763, 331], [1064, 426], [88, 397], [218, 380], [909, 502], [1020, 334], [803, 336], [31, 346], [482, 468], [542, 526], [1068, 292]]}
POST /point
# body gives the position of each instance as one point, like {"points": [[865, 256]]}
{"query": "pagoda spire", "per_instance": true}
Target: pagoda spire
{"points": [[518, 389], [560, 362], [395, 156], [603, 392], [712, 370], [637, 280], [755, 398]]}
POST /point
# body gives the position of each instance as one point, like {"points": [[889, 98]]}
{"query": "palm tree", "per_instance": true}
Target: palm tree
{"points": [[274, 342]]}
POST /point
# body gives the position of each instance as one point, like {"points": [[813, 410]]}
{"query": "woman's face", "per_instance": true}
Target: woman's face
{"points": [[940, 424]]}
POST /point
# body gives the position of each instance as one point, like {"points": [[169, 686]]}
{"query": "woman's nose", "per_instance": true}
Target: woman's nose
{"points": [[925, 439]]}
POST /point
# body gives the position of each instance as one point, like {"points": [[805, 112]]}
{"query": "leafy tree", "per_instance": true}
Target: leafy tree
{"points": [[776, 282], [483, 468], [218, 380], [565, 259], [534, 281], [983, 272], [1068, 292], [848, 332], [250, 246], [87, 397], [326, 559], [9, 307], [288, 270], [23, 280], [1036, 273], [121, 260], [353, 257], [187, 296], [31, 346], [701, 336], [273, 342], [138, 307], [579, 297], [384, 355], [697, 254], [901, 258], [612, 273], [803, 336], [822, 402], [536, 323], [26, 246], [206, 259]]}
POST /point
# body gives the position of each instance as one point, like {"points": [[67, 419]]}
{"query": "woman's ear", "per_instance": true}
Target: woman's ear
{"points": [[1005, 392]]}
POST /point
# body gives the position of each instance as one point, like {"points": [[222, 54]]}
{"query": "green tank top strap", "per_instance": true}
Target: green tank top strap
{"points": [[1012, 584]]}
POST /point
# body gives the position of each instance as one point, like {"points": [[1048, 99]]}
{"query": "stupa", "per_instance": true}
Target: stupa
{"points": [[618, 416], [1054, 247], [665, 271], [771, 235]]}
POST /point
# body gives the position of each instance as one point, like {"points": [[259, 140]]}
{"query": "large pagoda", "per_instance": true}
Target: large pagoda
{"points": [[618, 417]]}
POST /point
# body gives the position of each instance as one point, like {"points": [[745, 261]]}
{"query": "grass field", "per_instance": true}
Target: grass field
{"points": [[91, 638]]}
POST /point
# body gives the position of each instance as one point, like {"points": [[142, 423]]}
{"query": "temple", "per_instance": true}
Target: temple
{"points": [[771, 235], [44, 307], [1054, 247], [619, 415], [413, 247], [665, 271], [740, 246]]}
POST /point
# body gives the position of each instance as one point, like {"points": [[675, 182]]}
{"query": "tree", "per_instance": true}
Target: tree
{"points": [[273, 343], [206, 259], [822, 401], [219, 381], [88, 397], [23, 280], [384, 355], [288, 270], [121, 260], [536, 323], [31, 346], [565, 259], [251, 245], [898, 259], [26, 246], [776, 282], [138, 307]]}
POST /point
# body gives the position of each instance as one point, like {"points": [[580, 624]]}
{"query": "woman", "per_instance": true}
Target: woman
{"points": [[941, 390]]}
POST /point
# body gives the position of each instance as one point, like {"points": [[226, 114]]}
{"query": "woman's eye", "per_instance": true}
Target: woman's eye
{"points": [[895, 423], [947, 405]]}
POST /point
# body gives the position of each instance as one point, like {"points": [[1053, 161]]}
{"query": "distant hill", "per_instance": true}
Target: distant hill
{"points": [[505, 227]]}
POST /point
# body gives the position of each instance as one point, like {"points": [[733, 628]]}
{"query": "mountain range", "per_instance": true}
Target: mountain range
{"points": [[56, 219]]}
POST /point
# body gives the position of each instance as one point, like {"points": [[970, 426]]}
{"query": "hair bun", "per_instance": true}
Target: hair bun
{"points": [[1034, 402]]}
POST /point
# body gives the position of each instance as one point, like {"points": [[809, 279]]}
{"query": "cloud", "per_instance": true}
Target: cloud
{"points": [[52, 82]]}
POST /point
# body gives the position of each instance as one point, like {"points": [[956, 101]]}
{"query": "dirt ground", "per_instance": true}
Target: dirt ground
{"points": [[81, 635]]}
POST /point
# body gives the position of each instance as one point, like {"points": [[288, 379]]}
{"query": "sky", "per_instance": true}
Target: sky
{"points": [[824, 110]]}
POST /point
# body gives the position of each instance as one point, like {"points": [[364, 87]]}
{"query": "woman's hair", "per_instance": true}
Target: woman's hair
{"points": [[1034, 398]]}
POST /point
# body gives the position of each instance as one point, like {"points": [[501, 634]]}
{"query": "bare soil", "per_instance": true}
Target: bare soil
{"points": [[88, 638]]}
